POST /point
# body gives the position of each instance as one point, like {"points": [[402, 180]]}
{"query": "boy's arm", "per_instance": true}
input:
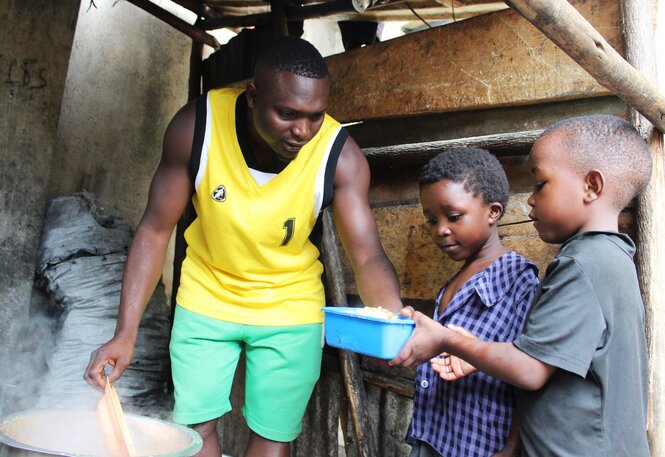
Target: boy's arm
{"points": [[500, 360], [450, 367]]}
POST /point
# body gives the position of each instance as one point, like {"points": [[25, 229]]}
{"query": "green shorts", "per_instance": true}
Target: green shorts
{"points": [[283, 365]]}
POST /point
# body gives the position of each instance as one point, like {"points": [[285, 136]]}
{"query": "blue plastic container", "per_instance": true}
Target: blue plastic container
{"points": [[373, 336]]}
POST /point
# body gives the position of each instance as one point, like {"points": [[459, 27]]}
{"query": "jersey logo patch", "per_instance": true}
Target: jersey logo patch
{"points": [[219, 194]]}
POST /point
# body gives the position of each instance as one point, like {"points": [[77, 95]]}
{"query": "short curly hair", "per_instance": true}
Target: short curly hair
{"points": [[479, 170], [609, 144], [293, 55]]}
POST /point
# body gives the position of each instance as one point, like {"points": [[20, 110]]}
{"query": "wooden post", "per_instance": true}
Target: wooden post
{"points": [[195, 70], [640, 49], [351, 373], [651, 268], [566, 27], [278, 18]]}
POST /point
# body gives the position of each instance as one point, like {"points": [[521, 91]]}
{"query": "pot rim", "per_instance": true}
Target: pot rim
{"points": [[192, 449]]}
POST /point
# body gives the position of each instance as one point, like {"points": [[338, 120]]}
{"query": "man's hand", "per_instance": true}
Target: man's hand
{"points": [[424, 344], [118, 352], [451, 367]]}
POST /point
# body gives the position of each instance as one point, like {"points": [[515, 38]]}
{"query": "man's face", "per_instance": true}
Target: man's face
{"points": [[557, 199], [287, 111]]}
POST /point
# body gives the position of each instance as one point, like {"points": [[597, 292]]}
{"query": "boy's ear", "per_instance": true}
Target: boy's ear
{"points": [[495, 212], [252, 93], [594, 185]]}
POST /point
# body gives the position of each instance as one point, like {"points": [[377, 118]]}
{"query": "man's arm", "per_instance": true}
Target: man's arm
{"points": [[375, 275], [500, 360], [170, 191]]}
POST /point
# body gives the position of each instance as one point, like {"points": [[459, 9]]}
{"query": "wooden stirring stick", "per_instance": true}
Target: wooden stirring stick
{"points": [[112, 424]]}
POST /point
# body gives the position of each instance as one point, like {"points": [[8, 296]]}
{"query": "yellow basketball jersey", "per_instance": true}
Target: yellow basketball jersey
{"points": [[250, 256]]}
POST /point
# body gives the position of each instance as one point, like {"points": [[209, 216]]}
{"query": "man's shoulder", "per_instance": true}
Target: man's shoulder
{"points": [[330, 117], [330, 123], [222, 95], [226, 91]]}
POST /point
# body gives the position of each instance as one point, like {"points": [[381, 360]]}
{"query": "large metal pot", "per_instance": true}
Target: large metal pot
{"points": [[77, 433]]}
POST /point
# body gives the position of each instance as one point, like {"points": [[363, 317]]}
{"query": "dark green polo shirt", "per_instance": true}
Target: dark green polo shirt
{"points": [[588, 321]]}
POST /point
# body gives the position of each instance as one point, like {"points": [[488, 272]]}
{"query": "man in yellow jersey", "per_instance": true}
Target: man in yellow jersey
{"points": [[259, 165]]}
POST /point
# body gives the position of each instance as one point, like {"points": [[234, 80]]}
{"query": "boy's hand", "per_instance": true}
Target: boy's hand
{"points": [[451, 367], [424, 343]]}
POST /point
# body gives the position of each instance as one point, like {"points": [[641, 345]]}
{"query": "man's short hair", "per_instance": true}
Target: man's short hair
{"points": [[611, 145], [293, 55], [481, 173]]}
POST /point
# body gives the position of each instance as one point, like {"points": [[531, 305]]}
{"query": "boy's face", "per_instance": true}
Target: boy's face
{"points": [[459, 222], [557, 199]]}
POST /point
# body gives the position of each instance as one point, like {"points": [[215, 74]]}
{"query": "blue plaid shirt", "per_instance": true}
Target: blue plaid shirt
{"points": [[472, 416]]}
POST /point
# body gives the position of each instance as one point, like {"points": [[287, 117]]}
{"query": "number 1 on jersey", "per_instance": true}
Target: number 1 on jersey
{"points": [[290, 227]]}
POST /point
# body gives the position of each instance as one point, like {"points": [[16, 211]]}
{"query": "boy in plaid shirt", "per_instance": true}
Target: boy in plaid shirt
{"points": [[464, 193]]}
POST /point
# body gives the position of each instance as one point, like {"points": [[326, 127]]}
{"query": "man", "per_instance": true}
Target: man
{"points": [[259, 166]]}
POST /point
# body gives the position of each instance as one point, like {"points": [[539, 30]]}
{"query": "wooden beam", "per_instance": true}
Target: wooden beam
{"points": [[379, 12], [194, 6], [351, 373], [174, 21], [292, 14], [249, 20], [198, 8], [566, 27], [479, 123], [400, 11], [641, 46], [512, 143], [400, 386]]}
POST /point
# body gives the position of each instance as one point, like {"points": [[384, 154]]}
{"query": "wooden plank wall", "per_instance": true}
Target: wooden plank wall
{"points": [[426, 86], [494, 60]]}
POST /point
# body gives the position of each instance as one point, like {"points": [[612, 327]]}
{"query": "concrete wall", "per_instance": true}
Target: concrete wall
{"points": [[93, 123], [35, 44], [127, 77]]}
